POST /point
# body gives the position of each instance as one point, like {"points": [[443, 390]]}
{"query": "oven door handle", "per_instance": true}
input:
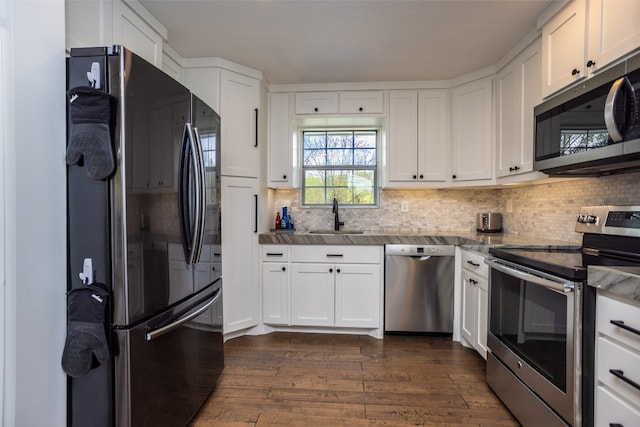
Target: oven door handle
{"points": [[549, 284]]}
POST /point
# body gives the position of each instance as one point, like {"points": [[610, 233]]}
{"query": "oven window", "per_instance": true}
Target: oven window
{"points": [[531, 320]]}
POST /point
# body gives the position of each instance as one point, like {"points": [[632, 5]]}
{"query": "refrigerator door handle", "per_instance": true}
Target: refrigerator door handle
{"points": [[156, 333], [190, 211], [200, 197]]}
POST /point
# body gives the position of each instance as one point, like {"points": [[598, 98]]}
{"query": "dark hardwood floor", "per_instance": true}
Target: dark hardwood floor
{"points": [[346, 380]]}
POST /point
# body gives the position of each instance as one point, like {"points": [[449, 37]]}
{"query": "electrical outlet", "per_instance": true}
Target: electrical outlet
{"points": [[404, 206], [509, 206]]}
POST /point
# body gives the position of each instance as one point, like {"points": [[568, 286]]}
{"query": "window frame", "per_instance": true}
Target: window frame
{"points": [[375, 169]]}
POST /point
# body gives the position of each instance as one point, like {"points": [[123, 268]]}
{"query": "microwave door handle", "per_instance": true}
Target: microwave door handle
{"points": [[609, 107], [549, 284]]}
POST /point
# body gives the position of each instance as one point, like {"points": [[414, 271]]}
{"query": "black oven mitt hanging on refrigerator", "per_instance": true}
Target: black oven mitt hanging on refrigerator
{"points": [[86, 338], [90, 131]]}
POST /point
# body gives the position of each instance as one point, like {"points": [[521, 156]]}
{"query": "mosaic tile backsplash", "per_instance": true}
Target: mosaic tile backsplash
{"points": [[545, 210]]}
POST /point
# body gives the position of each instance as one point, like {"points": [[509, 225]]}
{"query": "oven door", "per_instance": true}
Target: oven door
{"points": [[534, 332]]}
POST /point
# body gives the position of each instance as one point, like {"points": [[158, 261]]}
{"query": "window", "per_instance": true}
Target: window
{"points": [[575, 141], [339, 163]]}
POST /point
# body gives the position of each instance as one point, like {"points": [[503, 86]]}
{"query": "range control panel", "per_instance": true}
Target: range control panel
{"points": [[616, 220]]}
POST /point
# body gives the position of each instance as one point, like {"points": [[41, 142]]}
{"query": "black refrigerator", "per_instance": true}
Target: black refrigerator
{"points": [[143, 199]]}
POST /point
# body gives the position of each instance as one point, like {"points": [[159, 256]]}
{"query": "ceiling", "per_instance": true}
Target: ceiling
{"points": [[335, 41]]}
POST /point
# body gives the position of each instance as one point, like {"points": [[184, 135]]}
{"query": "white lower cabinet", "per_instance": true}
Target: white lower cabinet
{"points": [[474, 301], [322, 286], [617, 359]]}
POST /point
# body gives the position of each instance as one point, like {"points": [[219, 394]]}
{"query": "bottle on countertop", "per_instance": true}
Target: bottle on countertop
{"points": [[278, 221]]}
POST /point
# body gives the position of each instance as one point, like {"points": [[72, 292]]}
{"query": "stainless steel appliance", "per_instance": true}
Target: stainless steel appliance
{"points": [[150, 231], [418, 283], [593, 129], [542, 318], [489, 222]]}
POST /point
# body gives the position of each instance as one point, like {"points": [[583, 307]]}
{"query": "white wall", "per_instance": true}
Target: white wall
{"points": [[34, 276]]}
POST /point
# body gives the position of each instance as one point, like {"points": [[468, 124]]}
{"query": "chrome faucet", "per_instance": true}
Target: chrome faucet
{"points": [[336, 218]]}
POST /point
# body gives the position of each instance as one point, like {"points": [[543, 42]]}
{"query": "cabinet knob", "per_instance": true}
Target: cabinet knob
{"points": [[338, 270], [331, 270], [511, 169], [453, 176], [284, 176], [415, 176], [360, 109], [421, 176], [575, 72], [590, 63], [213, 269], [315, 109], [517, 168], [284, 268]]}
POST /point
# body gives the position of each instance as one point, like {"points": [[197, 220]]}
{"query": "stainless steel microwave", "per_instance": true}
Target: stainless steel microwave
{"points": [[592, 129]]}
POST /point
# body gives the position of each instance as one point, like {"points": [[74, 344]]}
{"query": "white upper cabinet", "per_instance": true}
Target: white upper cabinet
{"points": [[362, 102], [316, 103], [472, 131], [106, 23], [517, 93], [614, 30], [563, 48], [239, 114], [281, 142], [417, 145], [585, 37]]}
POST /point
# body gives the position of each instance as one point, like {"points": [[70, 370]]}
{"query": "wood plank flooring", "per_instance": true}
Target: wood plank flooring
{"points": [[288, 379]]}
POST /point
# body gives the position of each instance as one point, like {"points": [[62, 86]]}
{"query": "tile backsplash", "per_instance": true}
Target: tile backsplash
{"points": [[545, 210]]}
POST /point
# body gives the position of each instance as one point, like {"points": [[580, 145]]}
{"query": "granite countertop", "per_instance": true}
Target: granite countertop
{"points": [[480, 242], [621, 281]]}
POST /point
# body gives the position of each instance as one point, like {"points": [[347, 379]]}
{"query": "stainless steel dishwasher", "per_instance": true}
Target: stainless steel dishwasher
{"points": [[418, 282]]}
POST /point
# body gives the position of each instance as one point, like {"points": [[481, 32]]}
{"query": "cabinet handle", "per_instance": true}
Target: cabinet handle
{"points": [[334, 255], [256, 143], [255, 226], [575, 72], [615, 425], [620, 374], [620, 324], [274, 254], [475, 264], [517, 168], [511, 169], [590, 63]]}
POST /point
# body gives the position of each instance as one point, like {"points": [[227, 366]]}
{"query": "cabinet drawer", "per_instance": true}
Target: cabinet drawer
{"points": [[362, 102], [611, 356], [473, 261], [316, 103], [274, 253], [337, 254], [608, 310], [611, 410]]}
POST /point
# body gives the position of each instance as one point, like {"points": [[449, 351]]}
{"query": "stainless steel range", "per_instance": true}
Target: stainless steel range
{"points": [[542, 318]]}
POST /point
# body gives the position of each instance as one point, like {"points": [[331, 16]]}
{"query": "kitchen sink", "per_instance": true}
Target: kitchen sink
{"points": [[335, 232]]}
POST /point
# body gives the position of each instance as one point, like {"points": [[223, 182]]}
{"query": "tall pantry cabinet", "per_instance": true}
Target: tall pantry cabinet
{"points": [[238, 95]]}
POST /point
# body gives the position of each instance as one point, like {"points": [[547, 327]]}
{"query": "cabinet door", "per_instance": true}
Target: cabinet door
{"points": [[358, 295], [362, 102], [517, 93], [316, 103], [472, 131], [482, 309], [403, 136], [275, 293], [563, 48], [239, 103], [614, 30], [281, 139], [312, 294], [468, 309], [241, 255], [133, 32], [433, 140]]}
